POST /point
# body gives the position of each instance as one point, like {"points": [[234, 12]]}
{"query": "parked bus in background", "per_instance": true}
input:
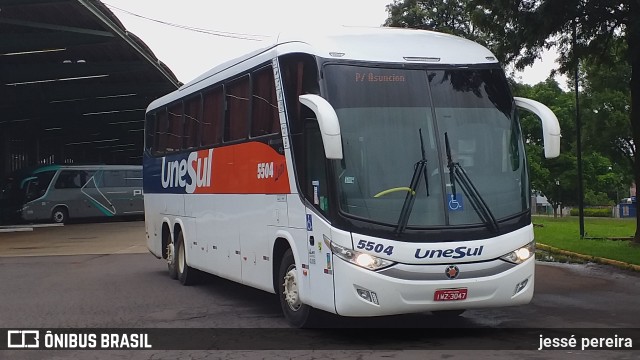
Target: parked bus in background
{"points": [[361, 172], [62, 192]]}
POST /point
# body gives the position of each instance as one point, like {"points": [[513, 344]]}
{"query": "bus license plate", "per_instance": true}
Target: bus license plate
{"points": [[450, 294]]}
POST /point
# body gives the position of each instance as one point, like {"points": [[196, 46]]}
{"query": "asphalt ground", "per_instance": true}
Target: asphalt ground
{"points": [[101, 275]]}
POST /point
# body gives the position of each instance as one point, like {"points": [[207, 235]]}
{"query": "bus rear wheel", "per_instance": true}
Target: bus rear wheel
{"points": [[59, 215], [171, 259], [186, 274], [297, 314]]}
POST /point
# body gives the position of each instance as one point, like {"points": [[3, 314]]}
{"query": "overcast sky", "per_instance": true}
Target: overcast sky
{"points": [[222, 30]]}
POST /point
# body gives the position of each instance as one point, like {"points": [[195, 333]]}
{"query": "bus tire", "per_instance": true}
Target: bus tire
{"points": [[297, 314], [186, 274], [60, 215], [171, 258]]}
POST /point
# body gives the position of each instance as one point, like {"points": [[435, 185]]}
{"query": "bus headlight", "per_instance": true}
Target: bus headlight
{"points": [[363, 260], [520, 255]]}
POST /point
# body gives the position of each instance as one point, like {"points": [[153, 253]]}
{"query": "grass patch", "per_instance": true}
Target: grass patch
{"points": [[564, 233]]}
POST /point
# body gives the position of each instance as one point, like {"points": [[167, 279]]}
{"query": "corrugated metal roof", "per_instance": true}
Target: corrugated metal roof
{"points": [[74, 84]]}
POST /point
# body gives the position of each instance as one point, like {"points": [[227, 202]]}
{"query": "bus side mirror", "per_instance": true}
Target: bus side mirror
{"points": [[550, 125], [328, 122]]}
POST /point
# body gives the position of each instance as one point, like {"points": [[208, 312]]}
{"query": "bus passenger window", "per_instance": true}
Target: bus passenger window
{"points": [[161, 131], [133, 178], [176, 128], [114, 178], [212, 112], [70, 179], [264, 104], [150, 124], [237, 117], [192, 116]]}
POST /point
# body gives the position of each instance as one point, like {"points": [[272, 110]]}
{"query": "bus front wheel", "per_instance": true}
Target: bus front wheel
{"points": [[297, 314], [59, 215]]}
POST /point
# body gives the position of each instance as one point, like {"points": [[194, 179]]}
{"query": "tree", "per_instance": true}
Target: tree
{"points": [[523, 28], [606, 100], [554, 178], [607, 33], [448, 16]]}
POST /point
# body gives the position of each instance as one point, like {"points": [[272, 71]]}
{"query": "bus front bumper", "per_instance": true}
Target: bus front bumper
{"points": [[361, 292]]}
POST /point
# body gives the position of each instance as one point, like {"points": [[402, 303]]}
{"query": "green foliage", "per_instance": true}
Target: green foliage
{"points": [[451, 17], [607, 101], [604, 34], [593, 212]]}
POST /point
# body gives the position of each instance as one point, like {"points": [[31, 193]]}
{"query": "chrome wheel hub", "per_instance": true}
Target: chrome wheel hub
{"points": [[170, 253]]}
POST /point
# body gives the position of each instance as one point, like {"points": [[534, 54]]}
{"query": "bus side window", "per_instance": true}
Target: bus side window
{"points": [[68, 179], [237, 116], [114, 178], [150, 132], [192, 116], [176, 128], [161, 132], [212, 115], [134, 178], [264, 104]]}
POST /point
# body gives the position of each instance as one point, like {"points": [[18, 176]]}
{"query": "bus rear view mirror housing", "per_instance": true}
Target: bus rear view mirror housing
{"points": [[328, 122], [550, 125]]}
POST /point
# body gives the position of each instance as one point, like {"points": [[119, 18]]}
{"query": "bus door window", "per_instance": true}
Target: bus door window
{"points": [[299, 76], [315, 187]]}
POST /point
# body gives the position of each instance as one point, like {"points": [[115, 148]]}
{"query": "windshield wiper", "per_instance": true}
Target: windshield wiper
{"points": [[419, 170], [457, 173]]}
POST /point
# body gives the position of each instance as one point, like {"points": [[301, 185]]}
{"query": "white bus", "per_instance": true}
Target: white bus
{"points": [[361, 172]]}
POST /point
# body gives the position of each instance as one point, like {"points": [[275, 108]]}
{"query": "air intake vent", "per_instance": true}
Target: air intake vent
{"points": [[421, 59]]}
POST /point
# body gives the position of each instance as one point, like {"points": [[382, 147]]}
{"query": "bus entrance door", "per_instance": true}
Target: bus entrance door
{"points": [[320, 267]]}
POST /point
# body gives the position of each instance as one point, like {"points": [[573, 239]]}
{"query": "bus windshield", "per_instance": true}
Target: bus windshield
{"points": [[394, 120], [24, 186]]}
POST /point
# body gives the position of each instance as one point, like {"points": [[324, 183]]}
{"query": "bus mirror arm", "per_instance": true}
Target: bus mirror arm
{"points": [[328, 122], [550, 125]]}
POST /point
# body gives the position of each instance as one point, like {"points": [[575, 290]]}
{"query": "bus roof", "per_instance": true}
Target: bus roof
{"points": [[375, 44]]}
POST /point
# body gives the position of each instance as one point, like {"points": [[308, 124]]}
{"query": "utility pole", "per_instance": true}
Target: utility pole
{"points": [[578, 130]]}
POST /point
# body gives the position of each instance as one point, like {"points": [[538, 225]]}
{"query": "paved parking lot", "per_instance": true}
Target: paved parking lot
{"points": [[111, 281], [122, 237]]}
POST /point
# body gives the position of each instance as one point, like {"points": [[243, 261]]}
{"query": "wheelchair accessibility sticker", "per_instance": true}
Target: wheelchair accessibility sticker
{"points": [[455, 202], [309, 223]]}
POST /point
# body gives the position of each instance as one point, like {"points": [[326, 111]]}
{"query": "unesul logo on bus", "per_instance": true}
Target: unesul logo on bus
{"points": [[191, 173], [457, 253]]}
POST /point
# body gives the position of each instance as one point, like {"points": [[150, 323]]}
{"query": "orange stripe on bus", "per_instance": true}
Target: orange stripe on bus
{"points": [[248, 168]]}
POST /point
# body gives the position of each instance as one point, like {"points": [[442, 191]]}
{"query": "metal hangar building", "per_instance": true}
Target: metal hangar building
{"points": [[74, 84]]}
